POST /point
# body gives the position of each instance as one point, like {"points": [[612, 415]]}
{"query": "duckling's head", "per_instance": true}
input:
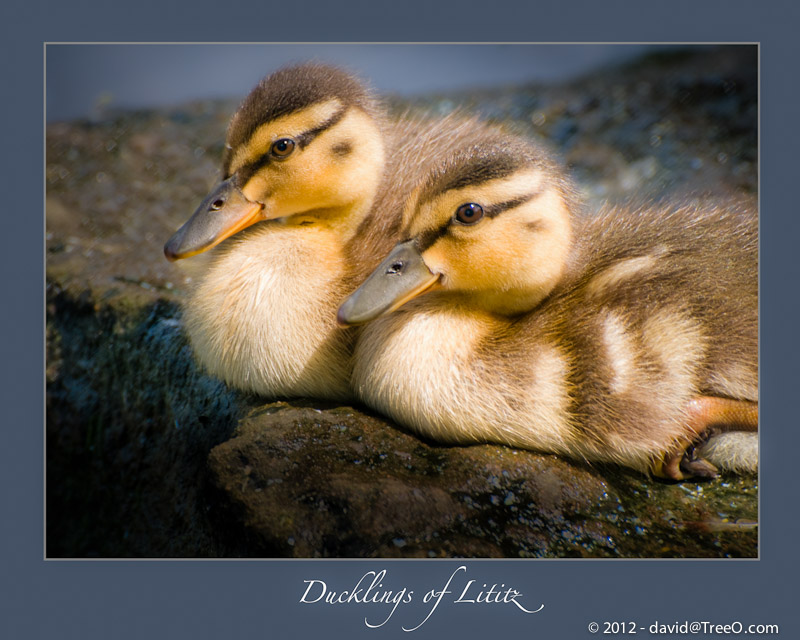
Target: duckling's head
{"points": [[491, 224], [305, 145]]}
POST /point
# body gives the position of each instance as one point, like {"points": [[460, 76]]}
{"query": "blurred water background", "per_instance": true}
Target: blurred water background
{"points": [[88, 80]]}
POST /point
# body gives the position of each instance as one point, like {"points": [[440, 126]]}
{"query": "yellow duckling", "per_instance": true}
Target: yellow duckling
{"points": [[312, 175], [626, 337]]}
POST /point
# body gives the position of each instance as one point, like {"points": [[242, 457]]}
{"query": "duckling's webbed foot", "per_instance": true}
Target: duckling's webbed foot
{"points": [[706, 417], [692, 466], [682, 464]]}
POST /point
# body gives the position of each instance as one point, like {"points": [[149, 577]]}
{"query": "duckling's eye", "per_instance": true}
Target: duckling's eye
{"points": [[469, 213], [282, 148]]}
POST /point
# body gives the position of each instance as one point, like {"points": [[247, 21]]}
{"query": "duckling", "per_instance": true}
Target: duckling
{"points": [[312, 171], [507, 315]]}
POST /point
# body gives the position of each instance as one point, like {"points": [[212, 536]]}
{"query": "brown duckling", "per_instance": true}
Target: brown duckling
{"points": [[503, 315]]}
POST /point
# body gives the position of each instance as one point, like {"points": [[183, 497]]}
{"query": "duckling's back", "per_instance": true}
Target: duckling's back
{"points": [[660, 307], [701, 258]]}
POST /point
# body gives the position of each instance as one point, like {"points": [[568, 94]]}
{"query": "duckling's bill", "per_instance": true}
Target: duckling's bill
{"points": [[403, 275], [224, 212]]}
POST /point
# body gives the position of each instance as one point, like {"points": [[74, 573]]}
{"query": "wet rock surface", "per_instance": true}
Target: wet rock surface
{"points": [[310, 482], [149, 457]]}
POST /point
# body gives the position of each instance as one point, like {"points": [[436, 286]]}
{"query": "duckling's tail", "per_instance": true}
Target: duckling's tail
{"points": [[735, 451]]}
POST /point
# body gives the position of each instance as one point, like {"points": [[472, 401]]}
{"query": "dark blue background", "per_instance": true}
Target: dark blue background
{"points": [[259, 599]]}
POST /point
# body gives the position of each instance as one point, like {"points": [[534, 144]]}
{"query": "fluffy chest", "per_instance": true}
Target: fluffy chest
{"points": [[262, 316], [436, 372], [422, 355]]}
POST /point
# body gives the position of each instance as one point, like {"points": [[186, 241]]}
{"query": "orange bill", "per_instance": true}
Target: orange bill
{"points": [[402, 276], [224, 212]]}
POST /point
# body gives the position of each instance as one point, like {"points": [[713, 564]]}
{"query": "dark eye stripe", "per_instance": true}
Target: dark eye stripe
{"points": [[428, 238], [304, 138], [246, 171], [497, 209]]}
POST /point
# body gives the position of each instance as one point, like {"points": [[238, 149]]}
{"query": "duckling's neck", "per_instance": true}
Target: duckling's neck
{"points": [[341, 223], [512, 299], [508, 303]]}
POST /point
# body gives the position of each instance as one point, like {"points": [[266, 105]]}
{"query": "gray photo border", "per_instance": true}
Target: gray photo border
{"points": [[232, 599]]}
